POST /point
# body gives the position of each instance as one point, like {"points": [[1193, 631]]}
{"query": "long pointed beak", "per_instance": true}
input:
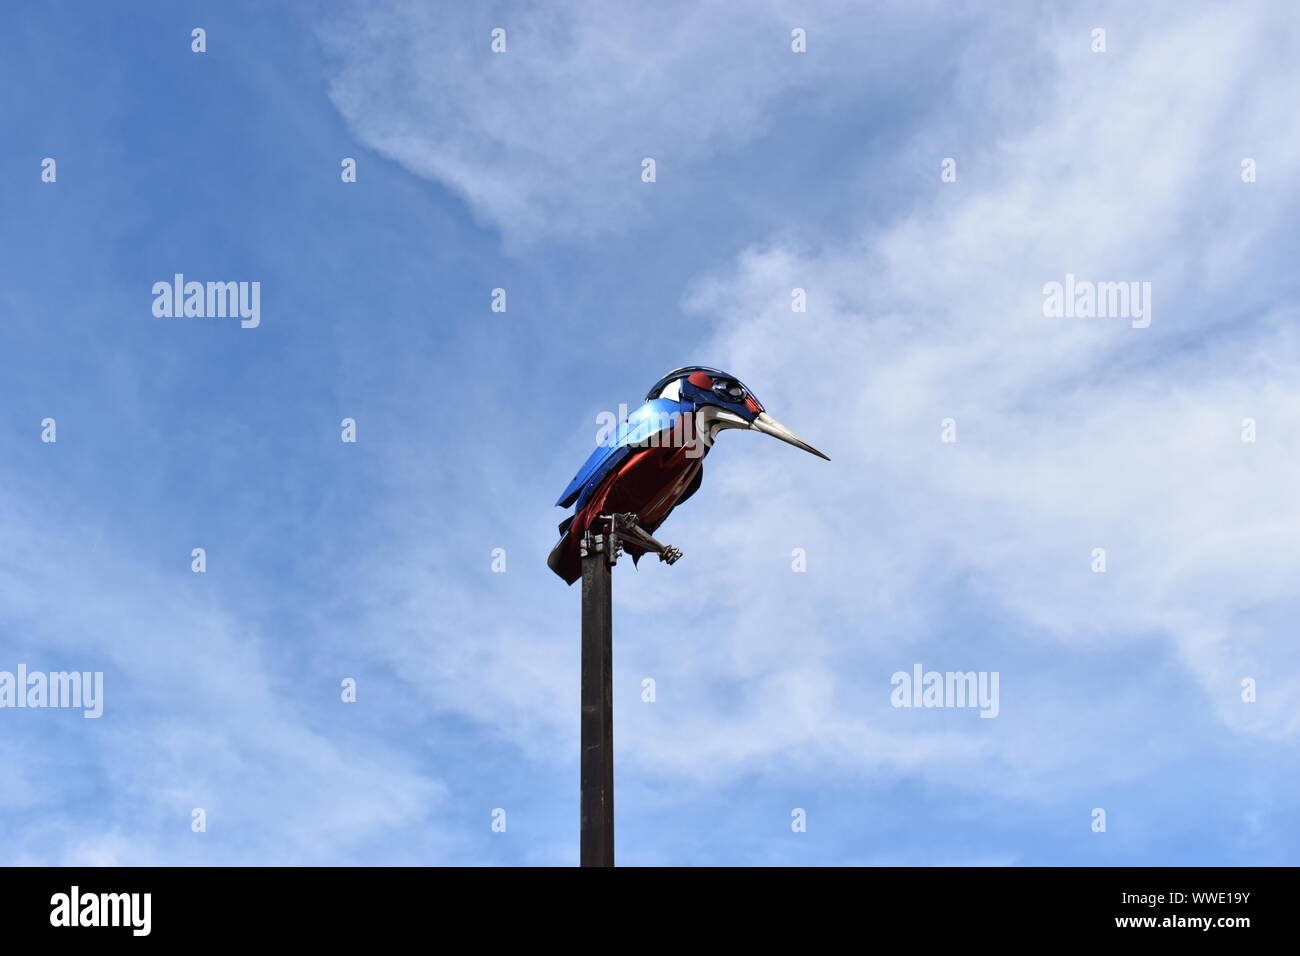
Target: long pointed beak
{"points": [[770, 426]]}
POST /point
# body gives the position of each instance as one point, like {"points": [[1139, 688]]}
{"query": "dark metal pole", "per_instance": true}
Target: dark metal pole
{"points": [[599, 551]]}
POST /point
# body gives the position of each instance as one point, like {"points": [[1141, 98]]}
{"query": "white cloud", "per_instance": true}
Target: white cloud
{"points": [[547, 139], [196, 714]]}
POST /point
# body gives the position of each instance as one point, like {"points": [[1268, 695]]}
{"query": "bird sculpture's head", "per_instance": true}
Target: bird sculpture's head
{"points": [[722, 401]]}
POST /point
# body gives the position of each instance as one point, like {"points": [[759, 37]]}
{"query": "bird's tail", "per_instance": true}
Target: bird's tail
{"points": [[565, 560]]}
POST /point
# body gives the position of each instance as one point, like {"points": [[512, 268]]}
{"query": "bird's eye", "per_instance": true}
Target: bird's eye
{"points": [[729, 391]]}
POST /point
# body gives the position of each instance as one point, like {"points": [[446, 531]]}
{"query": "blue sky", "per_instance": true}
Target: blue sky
{"points": [[775, 170]]}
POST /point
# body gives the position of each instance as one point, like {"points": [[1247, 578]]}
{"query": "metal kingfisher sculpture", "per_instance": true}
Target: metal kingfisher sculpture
{"points": [[656, 461], [626, 489]]}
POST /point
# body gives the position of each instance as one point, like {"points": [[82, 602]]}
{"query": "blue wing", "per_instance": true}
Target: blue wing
{"points": [[656, 415]]}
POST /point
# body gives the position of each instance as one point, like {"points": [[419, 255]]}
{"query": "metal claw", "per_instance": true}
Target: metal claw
{"points": [[607, 544], [624, 526]]}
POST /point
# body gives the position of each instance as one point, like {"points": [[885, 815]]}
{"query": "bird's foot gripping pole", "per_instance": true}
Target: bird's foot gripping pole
{"points": [[623, 525]]}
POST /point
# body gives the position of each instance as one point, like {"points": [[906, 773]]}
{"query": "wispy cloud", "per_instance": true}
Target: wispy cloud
{"points": [[547, 138]]}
